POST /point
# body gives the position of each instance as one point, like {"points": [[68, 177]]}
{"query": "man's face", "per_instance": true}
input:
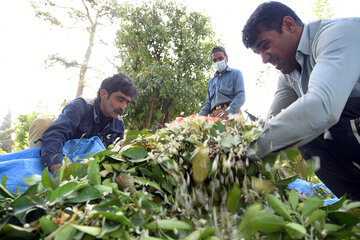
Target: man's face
{"points": [[277, 49], [218, 56], [113, 105]]}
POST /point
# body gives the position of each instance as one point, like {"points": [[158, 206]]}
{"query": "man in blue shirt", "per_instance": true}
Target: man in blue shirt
{"points": [[317, 101], [99, 117], [225, 91]]}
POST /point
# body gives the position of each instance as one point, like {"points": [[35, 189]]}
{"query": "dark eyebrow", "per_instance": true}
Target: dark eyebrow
{"points": [[123, 99], [261, 43]]}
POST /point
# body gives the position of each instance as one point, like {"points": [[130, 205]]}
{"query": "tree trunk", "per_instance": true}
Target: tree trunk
{"points": [[151, 111], [85, 63], [164, 110]]}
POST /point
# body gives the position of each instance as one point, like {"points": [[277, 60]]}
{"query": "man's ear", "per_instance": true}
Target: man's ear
{"points": [[226, 58], [104, 94], [288, 24]]}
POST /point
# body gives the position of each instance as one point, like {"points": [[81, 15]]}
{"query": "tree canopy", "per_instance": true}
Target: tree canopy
{"points": [[6, 130], [87, 15], [166, 50]]}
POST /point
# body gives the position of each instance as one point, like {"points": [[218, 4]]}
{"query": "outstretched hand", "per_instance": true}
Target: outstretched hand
{"points": [[55, 168]]}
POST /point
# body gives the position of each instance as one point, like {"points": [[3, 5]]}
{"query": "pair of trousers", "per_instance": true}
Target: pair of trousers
{"points": [[339, 153]]}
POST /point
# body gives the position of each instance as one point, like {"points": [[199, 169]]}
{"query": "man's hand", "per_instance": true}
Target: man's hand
{"points": [[223, 115], [55, 168]]}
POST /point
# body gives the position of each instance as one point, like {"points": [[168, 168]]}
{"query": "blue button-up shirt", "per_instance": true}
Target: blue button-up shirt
{"points": [[227, 87], [78, 117], [308, 103]]}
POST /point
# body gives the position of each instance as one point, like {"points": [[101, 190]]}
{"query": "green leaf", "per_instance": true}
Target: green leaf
{"points": [[94, 172], [292, 154], [4, 179], [218, 127], [78, 170], [3, 189], [103, 189], [169, 225], [85, 194], [195, 235], [117, 216], [200, 164], [233, 198], [267, 223], [133, 134], [336, 205], [250, 134], [316, 216], [295, 230], [310, 205], [293, 199], [285, 182], [135, 153], [59, 177], [226, 142], [68, 232], [278, 206], [207, 232], [152, 238], [47, 180], [343, 218], [47, 226], [330, 227], [245, 230], [146, 182], [32, 180], [93, 231], [64, 191], [25, 203], [102, 154]]}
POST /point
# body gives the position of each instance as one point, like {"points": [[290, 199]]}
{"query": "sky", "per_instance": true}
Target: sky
{"points": [[28, 85]]}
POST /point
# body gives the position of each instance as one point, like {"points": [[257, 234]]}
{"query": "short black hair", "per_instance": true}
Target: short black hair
{"points": [[267, 16], [119, 82], [218, 49]]}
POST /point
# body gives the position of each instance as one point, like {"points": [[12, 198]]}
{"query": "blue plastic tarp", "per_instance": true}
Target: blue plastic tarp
{"points": [[309, 189], [25, 163]]}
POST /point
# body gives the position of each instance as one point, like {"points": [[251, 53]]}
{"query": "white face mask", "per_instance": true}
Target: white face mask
{"points": [[220, 66]]}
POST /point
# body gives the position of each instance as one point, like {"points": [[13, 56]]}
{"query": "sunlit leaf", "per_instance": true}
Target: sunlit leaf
{"points": [[295, 230], [278, 206], [293, 199], [201, 164], [64, 191], [267, 223], [169, 225], [135, 153], [94, 231], [310, 205], [76, 170], [245, 230], [316, 216], [94, 172], [85, 194], [233, 198]]}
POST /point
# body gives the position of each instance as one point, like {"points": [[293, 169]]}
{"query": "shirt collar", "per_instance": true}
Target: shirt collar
{"points": [[227, 69], [304, 44], [97, 110]]}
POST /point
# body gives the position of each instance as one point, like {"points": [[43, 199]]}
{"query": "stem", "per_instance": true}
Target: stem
{"points": [[66, 156]]}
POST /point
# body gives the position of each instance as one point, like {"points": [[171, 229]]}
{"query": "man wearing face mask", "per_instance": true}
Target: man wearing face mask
{"points": [[225, 91], [98, 117]]}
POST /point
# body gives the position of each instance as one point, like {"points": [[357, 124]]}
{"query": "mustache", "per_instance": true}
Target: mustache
{"points": [[119, 111]]}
